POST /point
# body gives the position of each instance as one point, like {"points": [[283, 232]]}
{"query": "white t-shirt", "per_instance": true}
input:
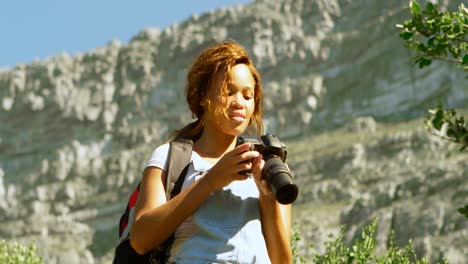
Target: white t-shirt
{"points": [[225, 228]]}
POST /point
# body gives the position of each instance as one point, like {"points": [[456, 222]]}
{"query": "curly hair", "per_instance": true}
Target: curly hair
{"points": [[215, 61]]}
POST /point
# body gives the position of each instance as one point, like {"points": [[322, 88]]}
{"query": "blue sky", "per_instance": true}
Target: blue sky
{"points": [[40, 29]]}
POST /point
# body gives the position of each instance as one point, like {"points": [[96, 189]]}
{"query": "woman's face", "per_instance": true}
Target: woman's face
{"points": [[231, 113]]}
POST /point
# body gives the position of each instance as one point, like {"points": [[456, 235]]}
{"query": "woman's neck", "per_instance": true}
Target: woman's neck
{"points": [[213, 144]]}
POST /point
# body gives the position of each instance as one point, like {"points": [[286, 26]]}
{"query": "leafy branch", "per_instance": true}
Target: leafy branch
{"points": [[436, 35], [447, 125]]}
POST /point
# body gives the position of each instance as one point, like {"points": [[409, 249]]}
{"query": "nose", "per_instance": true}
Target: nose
{"points": [[237, 100]]}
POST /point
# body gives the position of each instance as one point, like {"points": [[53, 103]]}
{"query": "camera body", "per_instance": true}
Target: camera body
{"points": [[275, 171], [267, 145]]}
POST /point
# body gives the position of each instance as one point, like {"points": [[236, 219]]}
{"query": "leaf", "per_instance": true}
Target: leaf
{"points": [[465, 60], [440, 106], [454, 51], [437, 122], [431, 8], [438, 119], [463, 9], [451, 36], [451, 132], [408, 24], [464, 211], [415, 8], [460, 121], [424, 62], [430, 41], [464, 138], [421, 47], [406, 35]]}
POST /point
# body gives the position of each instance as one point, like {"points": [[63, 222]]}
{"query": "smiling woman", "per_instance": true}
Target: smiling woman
{"points": [[219, 74], [221, 215], [231, 108]]}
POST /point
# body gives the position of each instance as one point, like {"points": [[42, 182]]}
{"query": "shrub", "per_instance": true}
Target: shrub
{"points": [[361, 250], [16, 253]]}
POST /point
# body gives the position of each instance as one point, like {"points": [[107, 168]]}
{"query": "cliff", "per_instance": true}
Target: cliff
{"points": [[340, 90]]}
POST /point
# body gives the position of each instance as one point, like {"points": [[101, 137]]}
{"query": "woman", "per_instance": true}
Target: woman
{"points": [[221, 215]]}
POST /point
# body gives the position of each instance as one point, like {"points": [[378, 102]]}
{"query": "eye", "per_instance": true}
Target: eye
{"points": [[248, 95]]}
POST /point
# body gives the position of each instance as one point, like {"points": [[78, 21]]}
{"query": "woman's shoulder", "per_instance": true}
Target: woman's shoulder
{"points": [[159, 157], [162, 148]]}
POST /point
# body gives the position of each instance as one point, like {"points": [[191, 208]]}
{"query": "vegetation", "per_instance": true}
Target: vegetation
{"points": [[361, 251], [464, 211], [16, 253], [297, 258], [437, 35], [447, 124]]}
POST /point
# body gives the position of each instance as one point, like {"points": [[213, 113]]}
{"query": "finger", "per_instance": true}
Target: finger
{"points": [[246, 165], [240, 177], [257, 167], [240, 149], [248, 156], [258, 160]]}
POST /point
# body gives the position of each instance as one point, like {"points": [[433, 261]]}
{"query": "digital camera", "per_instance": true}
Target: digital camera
{"points": [[275, 172]]}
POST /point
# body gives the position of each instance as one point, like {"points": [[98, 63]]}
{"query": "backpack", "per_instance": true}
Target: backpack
{"points": [[179, 156]]}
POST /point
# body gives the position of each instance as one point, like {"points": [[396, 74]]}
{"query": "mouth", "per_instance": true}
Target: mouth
{"points": [[238, 117]]}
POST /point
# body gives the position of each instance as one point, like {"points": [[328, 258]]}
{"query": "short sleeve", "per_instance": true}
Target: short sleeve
{"points": [[159, 157]]}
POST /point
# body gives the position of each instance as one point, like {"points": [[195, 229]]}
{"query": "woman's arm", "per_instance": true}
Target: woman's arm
{"points": [[155, 219], [275, 218], [276, 227]]}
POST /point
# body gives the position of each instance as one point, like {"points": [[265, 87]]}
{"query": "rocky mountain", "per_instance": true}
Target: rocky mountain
{"points": [[340, 90]]}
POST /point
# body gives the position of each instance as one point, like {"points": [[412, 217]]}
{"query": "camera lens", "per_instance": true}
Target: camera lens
{"points": [[279, 178]]}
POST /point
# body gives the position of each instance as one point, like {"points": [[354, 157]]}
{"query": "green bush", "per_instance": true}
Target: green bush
{"points": [[297, 259], [361, 251], [16, 253]]}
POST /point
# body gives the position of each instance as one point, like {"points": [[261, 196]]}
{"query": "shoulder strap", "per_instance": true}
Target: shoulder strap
{"points": [[180, 153]]}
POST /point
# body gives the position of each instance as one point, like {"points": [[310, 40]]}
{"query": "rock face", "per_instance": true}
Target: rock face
{"points": [[410, 181], [75, 131]]}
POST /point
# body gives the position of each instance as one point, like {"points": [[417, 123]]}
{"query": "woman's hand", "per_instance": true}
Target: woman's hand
{"points": [[257, 168], [228, 168]]}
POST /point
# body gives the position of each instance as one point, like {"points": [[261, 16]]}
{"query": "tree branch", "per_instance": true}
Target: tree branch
{"points": [[461, 40], [446, 138], [440, 58]]}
